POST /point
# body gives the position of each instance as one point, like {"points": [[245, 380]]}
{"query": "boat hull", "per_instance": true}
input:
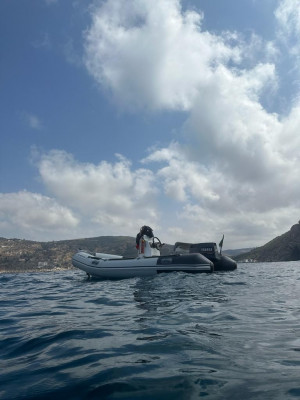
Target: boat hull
{"points": [[139, 267]]}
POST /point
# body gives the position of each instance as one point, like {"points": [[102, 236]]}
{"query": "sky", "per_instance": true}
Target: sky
{"points": [[181, 115]]}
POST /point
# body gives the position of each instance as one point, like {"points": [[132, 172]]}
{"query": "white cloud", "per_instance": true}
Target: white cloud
{"points": [[197, 202], [34, 216], [239, 168], [111, 197], [153, 56], [212, 201], [230, 127], [182, 178], [288, 16], [241, 229], [86, 200], [256, 48], [289, 142]]}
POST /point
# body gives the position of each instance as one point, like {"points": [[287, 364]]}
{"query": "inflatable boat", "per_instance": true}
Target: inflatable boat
{"points": [[148, 262], [100, 266]]}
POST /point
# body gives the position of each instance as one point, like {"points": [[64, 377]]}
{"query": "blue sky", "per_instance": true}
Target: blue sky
{"points": [[180, 115]]}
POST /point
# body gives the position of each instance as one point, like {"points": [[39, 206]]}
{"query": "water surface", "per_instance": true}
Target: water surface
{"points": [[175, 336]]}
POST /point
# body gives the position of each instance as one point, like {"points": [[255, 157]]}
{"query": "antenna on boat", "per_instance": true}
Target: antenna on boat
{"points": [[221, 244]]}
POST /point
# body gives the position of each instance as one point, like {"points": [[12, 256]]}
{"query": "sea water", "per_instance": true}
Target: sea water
{"points": [[233, 335]]}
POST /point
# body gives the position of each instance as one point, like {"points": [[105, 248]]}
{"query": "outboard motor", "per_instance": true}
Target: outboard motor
{"points": [[210, 251]]}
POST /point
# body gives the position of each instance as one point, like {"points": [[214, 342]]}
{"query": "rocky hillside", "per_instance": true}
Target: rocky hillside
{"points": [[18, 255], [283, 248]]}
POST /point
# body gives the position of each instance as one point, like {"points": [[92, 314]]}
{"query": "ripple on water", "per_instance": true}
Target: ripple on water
{"points": [[175, 336]]}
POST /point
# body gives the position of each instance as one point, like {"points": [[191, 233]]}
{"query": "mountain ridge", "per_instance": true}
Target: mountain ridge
{"points": [[285, 247]]}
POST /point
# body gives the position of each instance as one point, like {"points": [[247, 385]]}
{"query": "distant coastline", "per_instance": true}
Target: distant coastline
{"points": [[20, 255], [12, 270]]}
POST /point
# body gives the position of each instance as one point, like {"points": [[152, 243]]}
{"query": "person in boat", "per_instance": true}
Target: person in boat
{"points": [[145, 230]]}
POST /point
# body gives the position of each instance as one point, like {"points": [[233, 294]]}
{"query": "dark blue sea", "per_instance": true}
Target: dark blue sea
{"points": [[232, 335]]}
